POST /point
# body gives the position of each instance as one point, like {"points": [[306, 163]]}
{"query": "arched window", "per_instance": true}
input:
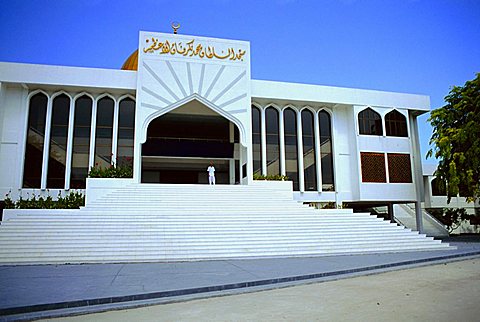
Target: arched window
{"points": [[126, 131], [81, 141], [309, 161], [370, 122], [256, 140], [58, 142], [396, 124], [326, 154], [439, 188], [291, 148], [273, 141], [104, 132], [32, 169]]}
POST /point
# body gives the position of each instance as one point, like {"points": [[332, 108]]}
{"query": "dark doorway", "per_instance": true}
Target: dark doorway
{"points": [[183, 170], [181, 144]]}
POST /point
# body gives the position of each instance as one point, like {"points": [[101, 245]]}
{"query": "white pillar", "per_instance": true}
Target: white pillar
{"points": [[301, 176], [318, 159], [137, 160], [46, 145], [231, 162], [23, 146], [241, 156], [93, 132], [231, 171], [115, 131], [281, 130], [68, 157], [263, 142], [417, 171]]}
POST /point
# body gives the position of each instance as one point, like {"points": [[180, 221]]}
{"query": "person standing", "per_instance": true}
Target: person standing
{"points": [[211, 174]]}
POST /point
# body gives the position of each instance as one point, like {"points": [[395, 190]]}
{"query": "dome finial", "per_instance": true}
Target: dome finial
{"points": [[175, 26]]}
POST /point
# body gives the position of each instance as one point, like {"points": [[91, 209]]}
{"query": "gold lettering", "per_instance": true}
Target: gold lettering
{"points": [[190, 49], [220, 56]]}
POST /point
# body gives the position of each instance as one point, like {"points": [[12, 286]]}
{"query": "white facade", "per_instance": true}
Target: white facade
{"points": [[217, 77]]}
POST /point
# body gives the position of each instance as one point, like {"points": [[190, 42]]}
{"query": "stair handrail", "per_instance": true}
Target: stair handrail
{"points": [[429, 217]]}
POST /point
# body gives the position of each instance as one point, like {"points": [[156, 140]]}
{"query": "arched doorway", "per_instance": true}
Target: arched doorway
{"points": [[181, 144]]}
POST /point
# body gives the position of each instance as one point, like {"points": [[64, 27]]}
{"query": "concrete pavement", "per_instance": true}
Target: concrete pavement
{"points": [[56, 290], [444, 292]]}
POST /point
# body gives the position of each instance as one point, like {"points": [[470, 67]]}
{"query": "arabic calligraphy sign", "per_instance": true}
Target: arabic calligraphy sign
{"points": [[190, 49]]}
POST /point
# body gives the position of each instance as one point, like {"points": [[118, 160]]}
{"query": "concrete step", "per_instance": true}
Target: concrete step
{"points": [[119, 235], [119, 257], [139, 239], [141, 223]]}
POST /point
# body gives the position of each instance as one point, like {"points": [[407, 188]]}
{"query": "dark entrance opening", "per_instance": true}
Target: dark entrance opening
{"points": [[181, 144]]}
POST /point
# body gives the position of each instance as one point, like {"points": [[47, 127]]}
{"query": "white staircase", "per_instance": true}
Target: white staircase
{"points": [[155, 222], [405, 216]]}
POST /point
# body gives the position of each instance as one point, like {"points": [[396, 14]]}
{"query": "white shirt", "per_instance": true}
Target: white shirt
{"points": [[211, 171]]}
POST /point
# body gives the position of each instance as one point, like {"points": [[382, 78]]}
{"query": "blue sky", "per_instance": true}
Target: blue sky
{"points": [[412, 46]]}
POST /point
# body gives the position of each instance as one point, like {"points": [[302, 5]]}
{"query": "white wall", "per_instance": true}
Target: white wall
{"points": [[344, 103], [338, 95], [345, 149], [13, 120], [67, 76]]}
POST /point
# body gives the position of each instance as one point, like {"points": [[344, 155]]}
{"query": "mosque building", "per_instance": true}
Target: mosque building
{"points": [[178, 104], [181, 101]]}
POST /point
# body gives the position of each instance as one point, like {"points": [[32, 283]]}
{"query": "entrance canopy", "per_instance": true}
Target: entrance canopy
{"points": [[181, 144]]}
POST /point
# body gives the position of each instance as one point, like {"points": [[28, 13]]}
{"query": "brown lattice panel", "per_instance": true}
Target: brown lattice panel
{"points": [[373, 167], [399, 168]]}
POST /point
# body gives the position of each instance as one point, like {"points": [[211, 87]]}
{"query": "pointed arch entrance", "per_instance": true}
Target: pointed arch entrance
{"points": [[181, 143]]}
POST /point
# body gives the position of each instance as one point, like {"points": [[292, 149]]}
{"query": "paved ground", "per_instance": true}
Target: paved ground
{"points": [[53, 290], [445, 292]]}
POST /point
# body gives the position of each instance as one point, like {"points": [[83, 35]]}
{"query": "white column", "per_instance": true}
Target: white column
{"points": [[115, 132], [417, 171], [231, 162], [301, 176], [68, 157], [240, 171], [333, 136], [263, 141], [282, 143], [231, 171], [23, 146], [137, 160], [318, 159], [46, 144], [93, 132]]}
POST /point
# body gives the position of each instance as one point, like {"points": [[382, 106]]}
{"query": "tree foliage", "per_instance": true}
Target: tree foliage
{"points": [[456, 140]]}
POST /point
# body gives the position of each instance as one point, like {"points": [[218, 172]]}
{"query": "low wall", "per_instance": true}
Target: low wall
{"points": [[98, 187], [284, 186]]}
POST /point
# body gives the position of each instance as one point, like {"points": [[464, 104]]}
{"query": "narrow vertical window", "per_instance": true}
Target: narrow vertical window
{"points": [[81, 142], [396, 124], [273, 141], [256, 140], [309, 162], [104, 132], [291, 148], [370, 122], [58, 142], [32, 169], [326, 154], [126, 132]]}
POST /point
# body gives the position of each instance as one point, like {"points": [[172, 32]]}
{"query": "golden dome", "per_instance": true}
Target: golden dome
{"points": [[132, 62]]}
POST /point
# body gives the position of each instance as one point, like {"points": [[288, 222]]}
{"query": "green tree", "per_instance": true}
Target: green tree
{"points": [[456, 140]]}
